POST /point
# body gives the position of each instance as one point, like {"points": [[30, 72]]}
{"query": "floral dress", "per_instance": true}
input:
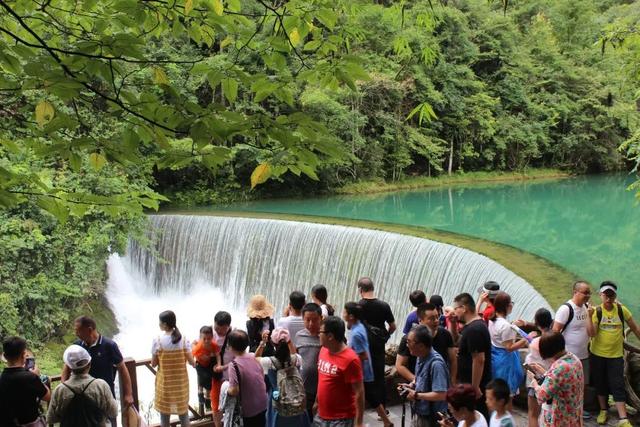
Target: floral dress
{"points": [[562, 390]]}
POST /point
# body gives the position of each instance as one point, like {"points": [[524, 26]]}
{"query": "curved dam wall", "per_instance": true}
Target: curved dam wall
{"points": [[240, 257]]}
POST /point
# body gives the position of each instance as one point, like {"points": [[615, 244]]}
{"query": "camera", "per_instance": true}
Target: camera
{"points": [[404, 390]]}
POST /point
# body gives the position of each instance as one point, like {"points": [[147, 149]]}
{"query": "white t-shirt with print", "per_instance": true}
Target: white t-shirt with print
{"points": [[500, 331], [576, 337]]}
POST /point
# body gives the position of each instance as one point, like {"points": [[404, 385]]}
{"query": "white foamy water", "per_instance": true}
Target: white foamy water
{"points": [[136, 308]]}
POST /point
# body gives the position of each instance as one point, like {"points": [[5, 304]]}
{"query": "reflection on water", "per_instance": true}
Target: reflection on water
{"points": [[589, 225]]}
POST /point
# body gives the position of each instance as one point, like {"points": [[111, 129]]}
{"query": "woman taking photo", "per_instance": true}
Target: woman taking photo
{"points": [[260, 323], [561, 391], [285, 358], [505, 359], [170, 352]]}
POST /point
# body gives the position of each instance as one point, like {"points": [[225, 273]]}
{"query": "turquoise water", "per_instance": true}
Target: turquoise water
{"points": [[589, 225]]}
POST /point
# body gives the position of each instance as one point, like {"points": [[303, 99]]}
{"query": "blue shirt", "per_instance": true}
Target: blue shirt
{"points": [[431, 375], [105, 356], [412, 319], [360, 344]]}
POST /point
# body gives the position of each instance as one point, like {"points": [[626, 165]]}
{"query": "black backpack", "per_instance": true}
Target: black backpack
{"points": [[569, 319], [82, 411]]}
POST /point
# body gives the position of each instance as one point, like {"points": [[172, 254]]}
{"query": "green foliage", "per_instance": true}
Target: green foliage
{"points": [[108, 109]]}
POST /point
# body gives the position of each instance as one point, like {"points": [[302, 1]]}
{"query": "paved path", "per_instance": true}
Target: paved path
{"points": [[520, 415]]}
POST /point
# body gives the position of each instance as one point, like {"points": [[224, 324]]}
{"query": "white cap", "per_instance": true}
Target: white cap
{"points": [[76, 357], [608, 288]]}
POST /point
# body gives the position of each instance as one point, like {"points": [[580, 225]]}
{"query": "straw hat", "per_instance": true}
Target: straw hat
{"points": [[259, 307]]}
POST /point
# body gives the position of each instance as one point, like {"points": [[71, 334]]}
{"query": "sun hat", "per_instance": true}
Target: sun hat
{"points": [[279, 334], [490, 287], [608, 286], [76, 357], [259, 307]]}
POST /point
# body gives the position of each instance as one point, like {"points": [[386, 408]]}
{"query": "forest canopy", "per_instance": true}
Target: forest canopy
{"points": [[110, 108]]}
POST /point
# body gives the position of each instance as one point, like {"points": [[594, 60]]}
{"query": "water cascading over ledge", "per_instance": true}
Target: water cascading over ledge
{"points": [[242, 257]]}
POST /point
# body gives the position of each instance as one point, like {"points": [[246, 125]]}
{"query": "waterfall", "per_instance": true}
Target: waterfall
{"points": [[240, 257], [197, 265]]}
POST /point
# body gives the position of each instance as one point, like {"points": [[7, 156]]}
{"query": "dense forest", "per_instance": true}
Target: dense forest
{"points": [[111, 108]]}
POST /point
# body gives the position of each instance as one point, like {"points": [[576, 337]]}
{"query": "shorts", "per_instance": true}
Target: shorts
{"points": [[608, 377], [531, 392], [374, 393], [343, 422], [204, 376], [586, 369], [215, 394]]}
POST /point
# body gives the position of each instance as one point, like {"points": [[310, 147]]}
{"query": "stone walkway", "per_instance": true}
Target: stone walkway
{"points": [[520, 415]]}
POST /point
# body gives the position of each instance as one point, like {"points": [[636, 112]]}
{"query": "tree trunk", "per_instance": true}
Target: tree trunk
{"points": [[450, 157]]}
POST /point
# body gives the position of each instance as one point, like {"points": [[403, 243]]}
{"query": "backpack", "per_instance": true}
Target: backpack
{"points": [[291, 399], [82, 411], [569, 319], [620, 315]]}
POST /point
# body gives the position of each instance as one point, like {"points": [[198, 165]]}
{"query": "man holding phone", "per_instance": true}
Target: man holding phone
{"points": [[20, 388], [572, 321], [429, 390]]}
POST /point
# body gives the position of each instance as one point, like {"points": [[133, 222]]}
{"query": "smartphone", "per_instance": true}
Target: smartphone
{"points": [[447, 417], [30, 363], [539, 378]]}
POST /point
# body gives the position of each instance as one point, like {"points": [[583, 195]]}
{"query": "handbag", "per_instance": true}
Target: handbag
{"points": [[236, 418]]}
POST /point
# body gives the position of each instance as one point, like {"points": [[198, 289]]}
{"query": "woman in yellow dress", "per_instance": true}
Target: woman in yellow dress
{"points": [[170, 352]]}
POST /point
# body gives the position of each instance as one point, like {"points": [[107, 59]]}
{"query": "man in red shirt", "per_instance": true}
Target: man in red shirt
{"points": [[340, 398]]}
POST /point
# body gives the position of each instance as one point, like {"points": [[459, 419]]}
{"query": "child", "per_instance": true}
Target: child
{"points": [[205, 351], [543, 321], [498, 401]]}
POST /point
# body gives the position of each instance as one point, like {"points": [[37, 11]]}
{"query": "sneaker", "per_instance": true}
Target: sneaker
{"points": [[586, 415], [602, 417], [624, 423]]}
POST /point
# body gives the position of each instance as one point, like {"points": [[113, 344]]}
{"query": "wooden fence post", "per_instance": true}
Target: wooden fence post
{"points": [[130, 364]]}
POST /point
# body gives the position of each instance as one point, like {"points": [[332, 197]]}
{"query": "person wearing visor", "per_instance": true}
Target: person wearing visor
{"points": [[488, 293], [607, 325]]}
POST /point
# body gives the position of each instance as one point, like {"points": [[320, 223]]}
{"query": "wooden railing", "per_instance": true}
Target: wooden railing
{"points": [[198, 419]]}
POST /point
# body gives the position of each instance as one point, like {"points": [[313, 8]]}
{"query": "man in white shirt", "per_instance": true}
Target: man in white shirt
{"points": [[293, 315], [572, 321]]}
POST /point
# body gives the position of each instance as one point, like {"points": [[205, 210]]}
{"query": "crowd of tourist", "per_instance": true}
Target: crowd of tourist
{"points": [[458, 364]]}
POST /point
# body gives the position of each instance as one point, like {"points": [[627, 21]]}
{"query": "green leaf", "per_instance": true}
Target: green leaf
{"points": [[260, 174], [308, 170], [327, 17], [97, 161], [230, 89], [313, 45], [188, 6], [11, 146], [9, 62], [54, 207], [44, 113], [75, 161]]}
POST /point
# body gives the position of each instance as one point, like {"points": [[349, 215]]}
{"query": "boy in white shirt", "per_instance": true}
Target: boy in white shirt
{"points": [[498, 402]]}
